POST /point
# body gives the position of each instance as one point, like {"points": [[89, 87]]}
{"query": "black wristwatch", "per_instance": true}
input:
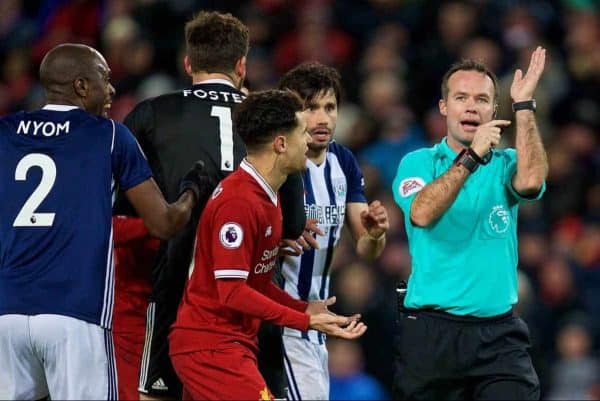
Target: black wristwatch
{"points": [[469, 159], [525, 105]]}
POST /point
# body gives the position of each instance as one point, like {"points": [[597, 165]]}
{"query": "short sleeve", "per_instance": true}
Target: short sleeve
{"points": [[140, 122], [356, 183], [511, 169], [414, 172], [233, 239], [354, 176], [129, 163]]}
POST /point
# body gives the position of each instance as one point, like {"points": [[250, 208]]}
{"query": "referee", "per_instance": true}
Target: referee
{"points": [[457, 336]]}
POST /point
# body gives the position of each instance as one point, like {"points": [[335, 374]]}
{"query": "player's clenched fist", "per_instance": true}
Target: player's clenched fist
{"points": [[375, 219], [488, 136]]}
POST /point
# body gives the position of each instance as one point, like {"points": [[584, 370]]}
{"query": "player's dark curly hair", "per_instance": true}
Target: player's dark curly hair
{"points": [[311, 79], [262, 115], [215, 41], [468, 65]]}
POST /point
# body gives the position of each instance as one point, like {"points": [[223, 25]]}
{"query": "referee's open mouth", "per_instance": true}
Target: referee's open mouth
{"points": [[469, 125]]}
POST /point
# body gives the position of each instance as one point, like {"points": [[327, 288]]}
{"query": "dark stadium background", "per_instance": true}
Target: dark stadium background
{"points": [[392, 54]]}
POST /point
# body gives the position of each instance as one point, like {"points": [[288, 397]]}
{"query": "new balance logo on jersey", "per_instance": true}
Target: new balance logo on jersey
{"points": [[269, 231], [217, 191], [159, 385]]}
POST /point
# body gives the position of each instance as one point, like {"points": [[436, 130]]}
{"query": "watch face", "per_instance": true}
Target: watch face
{"points": [[467, 161]]}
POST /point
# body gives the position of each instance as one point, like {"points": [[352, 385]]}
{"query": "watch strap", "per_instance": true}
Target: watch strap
{"points": [[524, 105], [466, 159]]}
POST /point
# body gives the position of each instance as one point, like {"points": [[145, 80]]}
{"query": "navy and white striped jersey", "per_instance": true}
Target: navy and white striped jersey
{"points": [[60, 166], [328, 188]]}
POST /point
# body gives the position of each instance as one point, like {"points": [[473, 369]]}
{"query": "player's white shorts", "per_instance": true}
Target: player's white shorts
{"points": [[306, 368], [55, 355]]}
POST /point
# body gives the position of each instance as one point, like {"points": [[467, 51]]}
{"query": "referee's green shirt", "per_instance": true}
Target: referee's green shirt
{"points": [[465, 263]]}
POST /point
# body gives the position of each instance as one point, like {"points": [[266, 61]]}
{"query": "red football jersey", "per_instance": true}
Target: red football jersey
{"points": [[237, 238]]}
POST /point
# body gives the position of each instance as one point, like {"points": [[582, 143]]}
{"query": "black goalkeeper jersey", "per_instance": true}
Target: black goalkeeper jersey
{"points": [[177, 129]]}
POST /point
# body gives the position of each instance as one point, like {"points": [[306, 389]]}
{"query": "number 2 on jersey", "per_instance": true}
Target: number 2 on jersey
{"points": [[27, 216], [225, 134]]}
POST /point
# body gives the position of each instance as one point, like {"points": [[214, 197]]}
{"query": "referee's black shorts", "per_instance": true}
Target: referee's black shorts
{"points": [[443, 356]]}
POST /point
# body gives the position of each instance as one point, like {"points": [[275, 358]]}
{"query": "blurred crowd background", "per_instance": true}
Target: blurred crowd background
{"points": [[392, 55]]}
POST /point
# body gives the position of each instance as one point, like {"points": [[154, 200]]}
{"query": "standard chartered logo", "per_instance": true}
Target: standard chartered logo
{"points": [[268, 260]]}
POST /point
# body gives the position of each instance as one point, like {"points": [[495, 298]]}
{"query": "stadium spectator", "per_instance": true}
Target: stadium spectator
{"points": [[460, 200], [349, 381], [56, 272], [214, 340]]}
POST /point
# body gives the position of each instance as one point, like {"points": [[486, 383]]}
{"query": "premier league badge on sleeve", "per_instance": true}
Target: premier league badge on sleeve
{"points": [[231, 235]]}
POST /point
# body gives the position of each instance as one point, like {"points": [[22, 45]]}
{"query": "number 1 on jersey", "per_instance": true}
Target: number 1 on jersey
{"points": [[225, 134]]}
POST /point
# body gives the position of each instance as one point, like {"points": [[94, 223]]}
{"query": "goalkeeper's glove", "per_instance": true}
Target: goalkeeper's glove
{"points": [[197, 181]]}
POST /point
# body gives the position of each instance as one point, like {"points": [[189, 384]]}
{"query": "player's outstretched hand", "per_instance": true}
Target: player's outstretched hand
{"points": [[337, 326], [197, 181], [311, 230], [305, 242], [316, 307]]}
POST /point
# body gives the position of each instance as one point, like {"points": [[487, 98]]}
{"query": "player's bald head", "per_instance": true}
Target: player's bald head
{"points": [[77, 75], [67, 62]]}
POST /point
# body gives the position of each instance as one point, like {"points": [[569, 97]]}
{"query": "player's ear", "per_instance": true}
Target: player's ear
{"points": [[187, 64], [240, 68], [443, 107], [80, 86], [280, 144]]}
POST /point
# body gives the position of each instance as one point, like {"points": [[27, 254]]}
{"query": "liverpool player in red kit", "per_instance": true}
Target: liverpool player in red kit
{"points": [[135, 251], [213, 343]]}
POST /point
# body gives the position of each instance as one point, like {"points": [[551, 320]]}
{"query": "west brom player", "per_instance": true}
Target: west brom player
{"points": [[60, 166], [174, 130], [334, 194]]}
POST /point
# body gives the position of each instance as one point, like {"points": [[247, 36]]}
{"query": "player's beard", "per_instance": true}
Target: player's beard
{"points": [[317, 147]]}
